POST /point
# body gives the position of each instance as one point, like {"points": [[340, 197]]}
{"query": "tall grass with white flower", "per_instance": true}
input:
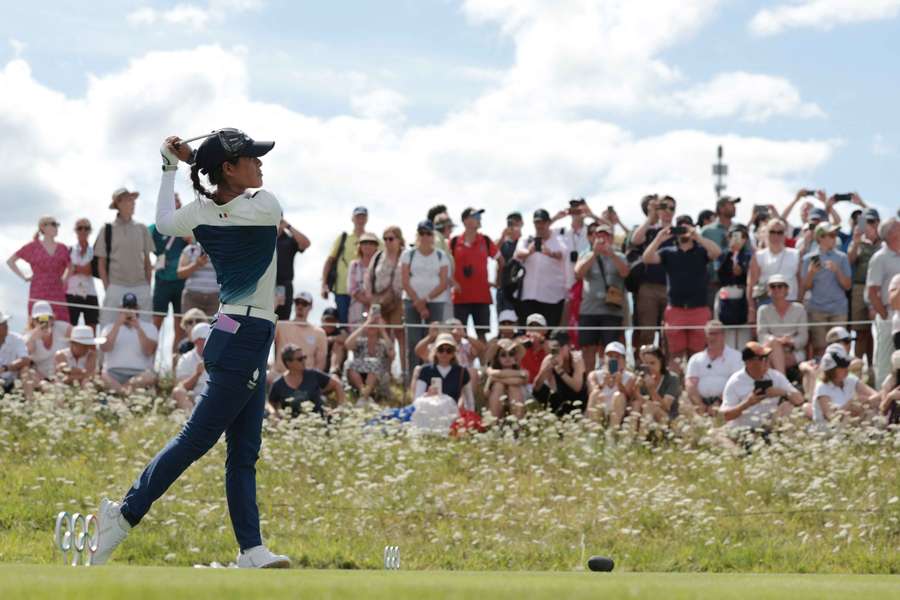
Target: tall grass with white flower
{"points": [[543, 496]]}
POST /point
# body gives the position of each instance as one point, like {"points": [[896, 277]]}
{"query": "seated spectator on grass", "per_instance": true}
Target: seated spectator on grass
{"points": [[507, 324], [507, 380], [468, 349], [781, 326], [373, 353], [757, 395], [14, 359], [77, 364], [80, 285], [201, 288], [455, 381], [128, 350], [191, 377], [826, 275], [188, 320], [560, 384], [656, 391], [603, 271], [335, 339], [535, 345], [889, 407], [300, 389], [544, 286], [708, 371], [685, 265], [357, 273], [303, 334], [46, 336], [730, 304], [840, 395], [609, 387]]}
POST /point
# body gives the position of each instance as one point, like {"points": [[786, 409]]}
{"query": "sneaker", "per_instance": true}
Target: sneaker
{"points": [[112, 529], [259, 557]]}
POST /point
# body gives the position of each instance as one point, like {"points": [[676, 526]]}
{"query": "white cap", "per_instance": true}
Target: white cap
{"points": [[615, 347], [305, 296], [836, 334], [835, 356], [41, 308], [82, 334], [200, 330], [536, 318], [508, 315]]}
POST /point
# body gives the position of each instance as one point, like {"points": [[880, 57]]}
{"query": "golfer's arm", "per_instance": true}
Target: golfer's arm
{"points": [[170, 221]]}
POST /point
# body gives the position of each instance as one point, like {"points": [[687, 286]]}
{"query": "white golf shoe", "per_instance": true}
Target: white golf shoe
{"points": [[259, 557], [112, 527]]}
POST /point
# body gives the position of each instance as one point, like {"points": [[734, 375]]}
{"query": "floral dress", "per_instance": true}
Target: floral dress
{"points": [[46, 278], [378, 362]]}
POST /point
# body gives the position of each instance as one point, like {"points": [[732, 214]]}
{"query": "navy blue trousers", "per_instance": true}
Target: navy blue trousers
{"points": [[233, 404]]}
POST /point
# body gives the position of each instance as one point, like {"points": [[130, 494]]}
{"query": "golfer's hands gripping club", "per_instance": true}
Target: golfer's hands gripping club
{"points": [[173, 150]]}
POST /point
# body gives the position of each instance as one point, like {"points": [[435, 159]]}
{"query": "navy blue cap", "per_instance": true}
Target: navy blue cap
{"points": [[425, 225], [541, 215], [870, 214], [331, 312], [228, 143], [472, 212], [818, 213], [129, 300]]}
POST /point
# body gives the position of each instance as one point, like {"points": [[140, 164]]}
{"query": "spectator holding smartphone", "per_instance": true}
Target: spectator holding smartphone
{"points": [[656, 390], [544, 286], [128, 350], [826, 275], [201, 287], [507, 380], [46, 336], [610, 387]]}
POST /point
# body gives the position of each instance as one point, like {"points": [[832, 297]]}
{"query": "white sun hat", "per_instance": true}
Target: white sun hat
{"points": [[82, 334]]}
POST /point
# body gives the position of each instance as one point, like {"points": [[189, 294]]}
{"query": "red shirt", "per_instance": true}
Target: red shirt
{"points": [[474, 259], [532, 360]]}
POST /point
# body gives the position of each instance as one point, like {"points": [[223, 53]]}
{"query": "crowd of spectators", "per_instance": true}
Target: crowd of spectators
{"points": [[744, 323]]}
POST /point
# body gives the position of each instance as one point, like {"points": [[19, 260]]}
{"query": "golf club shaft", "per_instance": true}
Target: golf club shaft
{"points": [[199, 137]]}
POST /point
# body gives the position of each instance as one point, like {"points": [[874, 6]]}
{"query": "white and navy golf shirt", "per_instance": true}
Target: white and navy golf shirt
{"points": [[238, 236]]}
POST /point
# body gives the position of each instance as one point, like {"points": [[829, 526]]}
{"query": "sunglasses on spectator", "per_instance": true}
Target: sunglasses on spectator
{"points": [[665, 206], [303, 303], [83, 228], [296, 358], [446, 350], [776, 286], [389, 238], [776, 231]]}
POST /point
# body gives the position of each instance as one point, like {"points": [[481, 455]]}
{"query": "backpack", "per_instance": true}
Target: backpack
{"points": [[412, 255], [331, 277], [484, 238], [95, 261]]}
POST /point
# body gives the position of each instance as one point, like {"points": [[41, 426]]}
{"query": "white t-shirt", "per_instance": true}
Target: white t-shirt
{"points": [[12, 349], [608, 391], [739, 387], [81, 285], [425, 272], [712, 375], [785, 262], [839, 396], [126, 352], [187, 366], [545, 277], [44, 358]]}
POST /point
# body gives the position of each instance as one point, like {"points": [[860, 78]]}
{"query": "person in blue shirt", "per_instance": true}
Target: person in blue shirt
{"points": [[826, 274], [238, 229]]}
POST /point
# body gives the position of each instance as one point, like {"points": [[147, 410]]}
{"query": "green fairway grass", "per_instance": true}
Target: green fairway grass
{"points": [[101, 583]]}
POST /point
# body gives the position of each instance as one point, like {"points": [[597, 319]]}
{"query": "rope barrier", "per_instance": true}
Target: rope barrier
{"points": [[489, 327]]}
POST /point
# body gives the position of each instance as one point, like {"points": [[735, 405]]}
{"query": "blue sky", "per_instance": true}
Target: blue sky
{"points": [[499, 103]]}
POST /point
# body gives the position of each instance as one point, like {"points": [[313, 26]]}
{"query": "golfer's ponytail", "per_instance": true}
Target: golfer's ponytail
{"points": [[198, 187]]}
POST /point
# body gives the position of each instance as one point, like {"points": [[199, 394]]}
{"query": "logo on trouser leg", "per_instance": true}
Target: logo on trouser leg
{"points": [[254, 379]]}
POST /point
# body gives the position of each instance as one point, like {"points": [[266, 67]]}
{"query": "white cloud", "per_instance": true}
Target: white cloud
{"points": [[191, 15], [18, 47], [821, 14], [748, 96], [63, 156], [881, 146]]}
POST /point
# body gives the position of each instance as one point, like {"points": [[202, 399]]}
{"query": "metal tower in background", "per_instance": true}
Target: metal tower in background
{"points": [[720, 171]]}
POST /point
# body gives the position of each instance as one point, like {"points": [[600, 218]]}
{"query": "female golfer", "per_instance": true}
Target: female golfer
{"points": [[237, 229]]}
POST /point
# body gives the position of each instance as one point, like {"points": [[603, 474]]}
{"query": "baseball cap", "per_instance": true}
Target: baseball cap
{"points": [[129, 300], [834, 357], [725, 200], [425, 225], [754, 350], [818, 214], [443, 221], [200, 330], [368, 237], [536, 319], [360, 210], [304, 296], [615, 347], [824, 228], [119, 193], [541, 215], [684, 220], [508, 316], [517, 216], [871, 214], [41, 308], [837, 334], [226, 144], [604, 227], [776, 278], [472, 212], [330, 313]]}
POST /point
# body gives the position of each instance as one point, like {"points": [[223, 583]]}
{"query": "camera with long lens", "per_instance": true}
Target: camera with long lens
{"points": [[468, 271]]}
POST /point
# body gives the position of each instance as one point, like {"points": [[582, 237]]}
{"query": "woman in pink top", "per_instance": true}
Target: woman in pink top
{"points": [[48, 260]]}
